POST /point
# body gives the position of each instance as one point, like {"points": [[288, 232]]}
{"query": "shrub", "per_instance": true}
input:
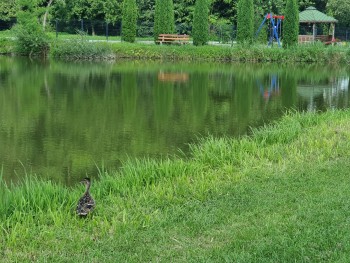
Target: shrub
{"points": [[129, 21], [200, 29], [81, 49], [31, 37]]}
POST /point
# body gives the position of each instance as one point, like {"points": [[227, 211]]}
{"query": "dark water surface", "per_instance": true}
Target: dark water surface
{"points": [[61, 120]]}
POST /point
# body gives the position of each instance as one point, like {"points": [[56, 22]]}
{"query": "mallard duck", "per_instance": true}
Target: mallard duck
{"points": [[86, 203]]}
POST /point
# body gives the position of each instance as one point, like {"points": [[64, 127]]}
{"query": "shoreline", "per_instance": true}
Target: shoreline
{"points": [[282, 189], [68, 50]]}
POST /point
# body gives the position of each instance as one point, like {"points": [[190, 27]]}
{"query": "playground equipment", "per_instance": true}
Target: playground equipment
{"points": [[275, 27]]}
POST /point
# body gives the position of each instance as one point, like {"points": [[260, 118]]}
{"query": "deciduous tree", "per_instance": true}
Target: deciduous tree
{"points": [[340, 10]]}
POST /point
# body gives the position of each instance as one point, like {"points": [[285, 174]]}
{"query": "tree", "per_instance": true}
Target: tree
{"points": [[164, 18], [200, 28], [183, 12], [291, 24], [245, 21], [8, 9], [129, 21], [31, 38], [340, 10], [46, 13]]}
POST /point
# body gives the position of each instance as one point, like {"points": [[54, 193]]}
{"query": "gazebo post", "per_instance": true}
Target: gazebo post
{"points": [[333, 30], [313, 32]]}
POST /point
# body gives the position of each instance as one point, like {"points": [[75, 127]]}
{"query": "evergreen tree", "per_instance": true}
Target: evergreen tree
{"points": [[291, 24], [129, 21], [200, 28], [164, 22], [262, 37], [245, 21]]}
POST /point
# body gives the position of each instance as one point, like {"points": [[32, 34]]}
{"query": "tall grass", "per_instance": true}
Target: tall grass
{"points": [[317, 53], [272, 194], [80, 49]]}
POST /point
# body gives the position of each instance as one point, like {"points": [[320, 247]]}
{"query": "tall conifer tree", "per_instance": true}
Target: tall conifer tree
{"points": [[129, 21], [245, 21], [200, 28], [291, 24], [164, 21]]}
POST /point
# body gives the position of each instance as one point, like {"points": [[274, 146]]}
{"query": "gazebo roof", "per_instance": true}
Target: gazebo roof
{"points": [[312, 15]]}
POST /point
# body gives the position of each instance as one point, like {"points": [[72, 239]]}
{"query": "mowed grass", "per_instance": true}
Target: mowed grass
{"points": [[279, 195]]}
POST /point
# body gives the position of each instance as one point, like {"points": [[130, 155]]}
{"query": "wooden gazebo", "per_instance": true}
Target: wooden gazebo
{"points": [[311, 16]]}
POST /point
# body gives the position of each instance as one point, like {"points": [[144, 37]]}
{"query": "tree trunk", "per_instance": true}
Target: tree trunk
{"points": [[46, 13]]}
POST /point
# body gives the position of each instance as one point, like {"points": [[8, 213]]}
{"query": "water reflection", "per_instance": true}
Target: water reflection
{"points": [[61, 120], [328, 94]]}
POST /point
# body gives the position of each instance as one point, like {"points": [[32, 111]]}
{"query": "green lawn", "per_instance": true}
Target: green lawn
{"points": [[281, 195]]}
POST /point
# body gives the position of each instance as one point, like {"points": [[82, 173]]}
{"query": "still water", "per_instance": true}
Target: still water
{"points": [[62, 120]]}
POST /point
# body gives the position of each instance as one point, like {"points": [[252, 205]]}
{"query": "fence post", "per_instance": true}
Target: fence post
{"points": [[107, 31], [82, 25], [346, 35], [56, 29]]}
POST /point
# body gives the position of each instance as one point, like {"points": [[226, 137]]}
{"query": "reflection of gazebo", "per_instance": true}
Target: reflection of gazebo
{"points": [[312, 16]]}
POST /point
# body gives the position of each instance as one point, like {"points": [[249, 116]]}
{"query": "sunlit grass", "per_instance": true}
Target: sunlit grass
{"points": [[279, 195]]}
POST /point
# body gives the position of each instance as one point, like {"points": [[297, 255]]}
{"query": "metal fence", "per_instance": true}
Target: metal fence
{"points": [[220, 33], [341, 33], [223, 33]]}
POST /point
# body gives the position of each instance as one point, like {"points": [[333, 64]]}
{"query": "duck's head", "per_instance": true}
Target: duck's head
{"points": [[86, 181]]}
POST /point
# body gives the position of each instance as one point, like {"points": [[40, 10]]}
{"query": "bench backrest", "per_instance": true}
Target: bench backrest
{"points": [[173, 36]]}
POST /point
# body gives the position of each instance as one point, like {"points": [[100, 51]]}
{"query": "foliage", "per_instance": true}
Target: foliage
{"points": [[221, 30], [31, 38], [340, 10], [163, 18], [291, 24], [129, 21], [200, 28], [183, 11], [8, 9], [81, 49], [245, 21], [263, 34], [6, 46]]}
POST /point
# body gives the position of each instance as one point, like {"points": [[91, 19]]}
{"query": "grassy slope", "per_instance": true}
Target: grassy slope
{"points": [[281, 195]]}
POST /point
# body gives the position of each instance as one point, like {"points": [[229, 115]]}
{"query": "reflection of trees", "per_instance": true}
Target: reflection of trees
{"points": [[288, 89], [163, 95], [129, 96], [199, 97], [59, 119]]}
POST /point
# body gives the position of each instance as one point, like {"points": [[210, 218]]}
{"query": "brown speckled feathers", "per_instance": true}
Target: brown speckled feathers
{"points": [[86, 203]]}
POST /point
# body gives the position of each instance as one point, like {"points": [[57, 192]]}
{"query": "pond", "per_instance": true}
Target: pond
{"points": [[64, 120]]}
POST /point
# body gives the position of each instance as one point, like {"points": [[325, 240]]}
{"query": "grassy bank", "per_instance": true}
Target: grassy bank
{"points": [[317, 53], [281, 195], [75, 47]]}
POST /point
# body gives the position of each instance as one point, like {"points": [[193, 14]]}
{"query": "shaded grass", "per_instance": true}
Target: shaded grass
{"points": [[280, 195]]}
